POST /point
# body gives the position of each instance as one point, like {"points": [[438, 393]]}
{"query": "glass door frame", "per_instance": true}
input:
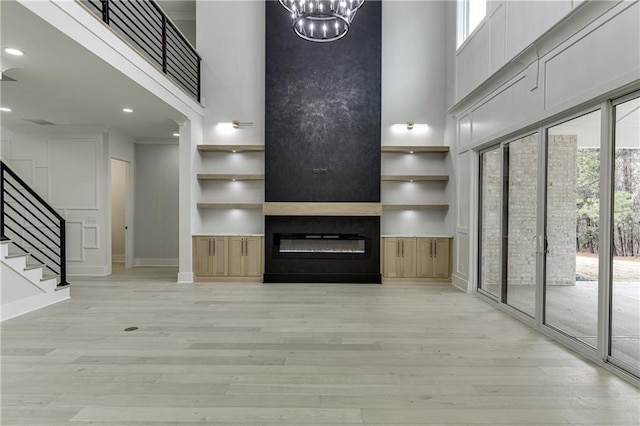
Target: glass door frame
{"points": [[606, 294], [604, 248], [501, 300]]}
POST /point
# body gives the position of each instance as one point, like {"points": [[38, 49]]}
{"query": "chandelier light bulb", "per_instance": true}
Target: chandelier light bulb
{"points": [[340, 13]]}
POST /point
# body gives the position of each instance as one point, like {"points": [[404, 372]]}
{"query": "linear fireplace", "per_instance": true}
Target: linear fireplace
{"points": [[320, 246], [322, 249]]}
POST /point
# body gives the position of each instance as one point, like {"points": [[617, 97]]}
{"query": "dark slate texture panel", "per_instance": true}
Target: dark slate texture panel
{"points": [[322, 112]]}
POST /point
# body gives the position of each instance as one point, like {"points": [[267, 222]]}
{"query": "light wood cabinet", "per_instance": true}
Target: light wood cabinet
{"points": [[210, 256], [399, 257], [227, 258], [434, 258], [245, 257], [419, 258]]}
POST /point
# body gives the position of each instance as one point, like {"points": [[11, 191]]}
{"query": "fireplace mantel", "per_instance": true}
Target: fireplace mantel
{"points": [[322, 209]]}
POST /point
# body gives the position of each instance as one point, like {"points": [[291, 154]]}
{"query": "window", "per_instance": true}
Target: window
{"points": [[470, 14]]}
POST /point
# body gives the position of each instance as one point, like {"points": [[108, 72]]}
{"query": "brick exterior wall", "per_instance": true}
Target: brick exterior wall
{"points": [[522, 190]]}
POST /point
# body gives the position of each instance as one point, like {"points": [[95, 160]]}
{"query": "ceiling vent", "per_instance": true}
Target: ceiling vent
{"points": [[40, 122]]}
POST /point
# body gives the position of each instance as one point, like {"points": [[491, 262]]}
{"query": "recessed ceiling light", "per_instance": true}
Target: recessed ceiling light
{"points": [[5, 109], [176, 134], [14, 52], [129, 110]]}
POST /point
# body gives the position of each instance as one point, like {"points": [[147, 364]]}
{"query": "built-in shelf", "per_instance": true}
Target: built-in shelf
{"points": [[415, 149], [230, 148], [230, 205], [204, 176], [415, 178], [416, 206]]}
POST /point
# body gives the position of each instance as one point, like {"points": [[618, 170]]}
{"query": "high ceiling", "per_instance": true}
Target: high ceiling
{"points": [[59, 81]]}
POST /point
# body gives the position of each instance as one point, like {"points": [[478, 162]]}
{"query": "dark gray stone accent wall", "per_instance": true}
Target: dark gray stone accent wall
{"points": [[323, 106]]}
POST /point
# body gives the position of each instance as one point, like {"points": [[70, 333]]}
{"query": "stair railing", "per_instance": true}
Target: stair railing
{"points": [[147, 27], [32, 225]]}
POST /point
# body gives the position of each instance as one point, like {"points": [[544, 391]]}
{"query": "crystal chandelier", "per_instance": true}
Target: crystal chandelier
{"points": [[321, 20]]}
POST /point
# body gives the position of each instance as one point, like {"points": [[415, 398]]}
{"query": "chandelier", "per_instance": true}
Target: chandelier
{"points": [[321, 20]]}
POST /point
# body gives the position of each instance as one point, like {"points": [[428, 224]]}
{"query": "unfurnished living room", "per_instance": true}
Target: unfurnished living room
{"points": [[320, 212]]}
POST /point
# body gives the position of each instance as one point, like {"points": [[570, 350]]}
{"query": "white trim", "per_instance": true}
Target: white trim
{"points": [[88, 271], [30, 304], [158, 262], [185, 277], [461, 283]]}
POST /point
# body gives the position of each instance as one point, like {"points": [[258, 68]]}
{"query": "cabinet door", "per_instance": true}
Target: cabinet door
{"points": [[252, 256], [392, 264], [424, 257], [202, 266], [236, 256], [441, 258], [408, 257], [219, 256]]}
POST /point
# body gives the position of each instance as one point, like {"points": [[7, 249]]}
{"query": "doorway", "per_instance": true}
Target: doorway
{"points": [[120, 243]]}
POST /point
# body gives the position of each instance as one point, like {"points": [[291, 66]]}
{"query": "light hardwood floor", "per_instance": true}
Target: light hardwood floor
{"points": [[300, 354]]}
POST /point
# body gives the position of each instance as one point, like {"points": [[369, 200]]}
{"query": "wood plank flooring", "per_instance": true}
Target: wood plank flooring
{"points": [[298, 354]]}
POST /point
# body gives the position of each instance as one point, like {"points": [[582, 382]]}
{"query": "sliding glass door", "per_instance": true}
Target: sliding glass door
{"points": [[625, 262], [520, 225], [572, 227], [559, 230]]}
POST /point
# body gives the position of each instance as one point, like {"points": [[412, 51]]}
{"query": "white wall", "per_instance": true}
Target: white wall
{"points": [[592, 55], [510, 27], [230, 38], [68, 167], [413, 71], [156, 205]]}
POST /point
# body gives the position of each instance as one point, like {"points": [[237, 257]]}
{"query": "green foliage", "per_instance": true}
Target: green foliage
{"points": [[626, 204]]}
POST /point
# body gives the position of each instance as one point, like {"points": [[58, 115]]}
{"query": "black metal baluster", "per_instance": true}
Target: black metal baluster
{"points": [[63, 253], [3, 236], [164, 44], [105, 11]]}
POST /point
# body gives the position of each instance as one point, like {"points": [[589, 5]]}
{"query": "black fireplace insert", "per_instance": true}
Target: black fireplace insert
{"points": [[322, 249]]}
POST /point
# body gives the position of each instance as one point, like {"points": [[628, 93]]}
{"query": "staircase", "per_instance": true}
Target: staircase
{"points": [[32, 249]]}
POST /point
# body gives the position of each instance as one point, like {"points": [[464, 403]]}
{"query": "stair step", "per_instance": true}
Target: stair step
{"points": [[49, 277], [15, 255], [33, 266], [62, 287]]}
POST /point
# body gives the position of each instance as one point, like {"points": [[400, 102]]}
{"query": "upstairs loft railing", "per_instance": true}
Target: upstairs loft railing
{"points": [[145, 25], [32, 225]]}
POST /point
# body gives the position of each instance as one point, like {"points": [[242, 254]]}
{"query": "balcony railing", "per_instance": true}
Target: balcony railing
{"points": [[145, 25]]}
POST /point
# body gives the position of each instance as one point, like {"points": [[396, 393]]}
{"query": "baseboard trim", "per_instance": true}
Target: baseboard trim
{"points": [[460, 283], [185, 277], [168, 262], [33, 303], [88, 271]]}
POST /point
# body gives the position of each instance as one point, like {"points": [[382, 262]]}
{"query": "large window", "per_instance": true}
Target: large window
{"points": [[470, 14]]}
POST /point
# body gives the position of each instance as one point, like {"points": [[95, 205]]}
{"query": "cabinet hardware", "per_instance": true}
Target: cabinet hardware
{"points": [[402, 248], [213, 247], [435, 248]]}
